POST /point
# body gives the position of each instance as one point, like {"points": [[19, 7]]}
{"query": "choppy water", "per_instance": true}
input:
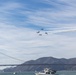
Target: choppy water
{"points": [[66, 73], [31, 73]]}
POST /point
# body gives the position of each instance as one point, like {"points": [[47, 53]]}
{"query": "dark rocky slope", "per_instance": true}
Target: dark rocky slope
{"points": [[45, 60]]}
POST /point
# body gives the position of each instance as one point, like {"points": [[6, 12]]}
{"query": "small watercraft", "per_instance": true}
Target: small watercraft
{"points": [[46, 71], [14, 72]]}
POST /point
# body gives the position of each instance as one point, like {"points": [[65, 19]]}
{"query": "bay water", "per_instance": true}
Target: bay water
{"points": [[32, 73]]}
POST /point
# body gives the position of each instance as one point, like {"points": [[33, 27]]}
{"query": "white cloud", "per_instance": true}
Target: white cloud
{"points": [[53, 17], [10, 6], [25, 44]]}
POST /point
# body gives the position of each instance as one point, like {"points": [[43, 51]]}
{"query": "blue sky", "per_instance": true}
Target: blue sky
{"points": [[21, 19]]}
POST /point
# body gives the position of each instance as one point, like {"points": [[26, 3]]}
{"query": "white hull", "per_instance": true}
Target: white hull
{"points": [[43, 74], [46, 71]]}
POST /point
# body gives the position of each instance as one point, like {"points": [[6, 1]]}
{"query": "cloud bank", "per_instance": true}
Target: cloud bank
{"points": [[20, 20]]}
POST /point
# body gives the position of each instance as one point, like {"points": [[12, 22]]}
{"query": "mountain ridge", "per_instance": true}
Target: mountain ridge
{"points": [[34, 65]]}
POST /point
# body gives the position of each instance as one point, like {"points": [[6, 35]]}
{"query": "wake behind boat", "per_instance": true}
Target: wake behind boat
{"points": [[46, 71]]}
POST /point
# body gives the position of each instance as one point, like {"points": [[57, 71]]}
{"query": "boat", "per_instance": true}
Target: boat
{"points": [[46, 71], [14, 72]]}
